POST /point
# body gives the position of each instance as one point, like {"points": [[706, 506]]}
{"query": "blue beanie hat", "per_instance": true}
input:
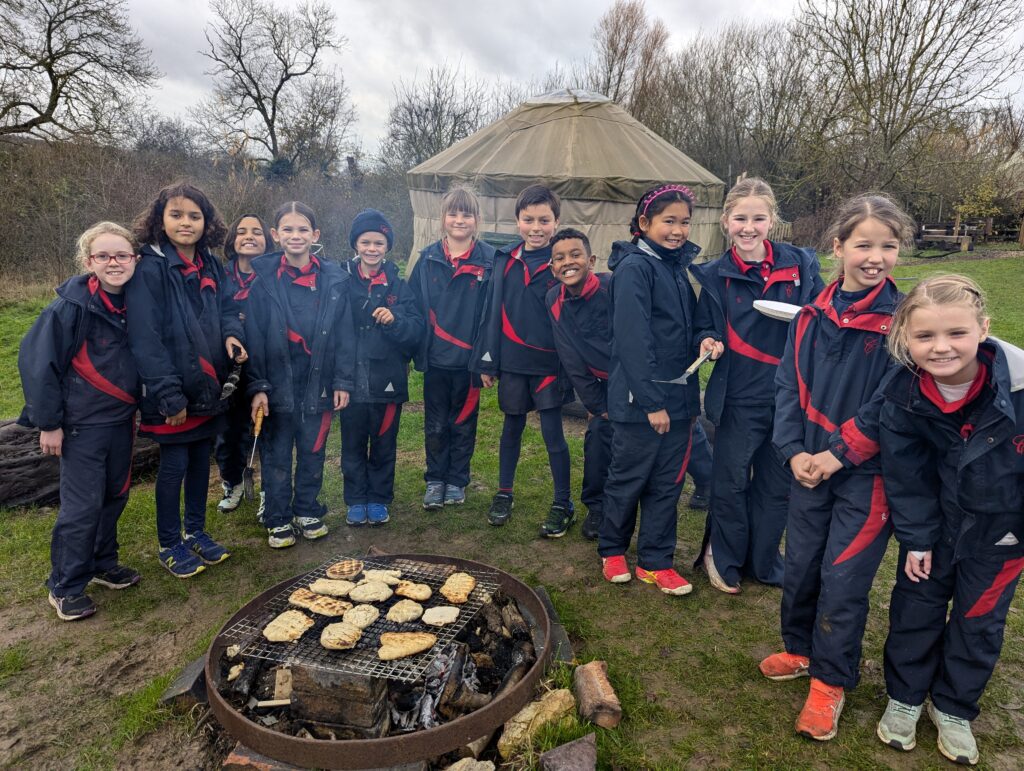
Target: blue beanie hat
{"points": [[371, 221]]}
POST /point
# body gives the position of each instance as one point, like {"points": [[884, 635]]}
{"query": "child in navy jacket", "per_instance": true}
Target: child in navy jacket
{"points": [[387, 327], [952, 436], [81, 391], [750, 484], [451, 280], [826, 427], [183, 330], [652, 345], [302, 367], [516, 348]]}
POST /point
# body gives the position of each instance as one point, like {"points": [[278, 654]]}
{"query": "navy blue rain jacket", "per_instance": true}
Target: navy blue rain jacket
{"points": [[451, 301], [383, 352], [332, 344], [582, 327], [753, 343], [75, 364], [652, 333], [828, 393], [958, 476]]}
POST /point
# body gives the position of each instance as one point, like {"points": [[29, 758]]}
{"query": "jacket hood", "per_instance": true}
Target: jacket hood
{"points": [[1014, 362], [76, 290]]}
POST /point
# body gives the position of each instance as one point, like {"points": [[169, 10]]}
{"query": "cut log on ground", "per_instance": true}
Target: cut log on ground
{"points": [[595, 696]]}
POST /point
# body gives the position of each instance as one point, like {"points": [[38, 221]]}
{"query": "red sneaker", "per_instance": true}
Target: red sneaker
{"points": [[615, 569], [784, 666], [669, 581], [819, 719]]}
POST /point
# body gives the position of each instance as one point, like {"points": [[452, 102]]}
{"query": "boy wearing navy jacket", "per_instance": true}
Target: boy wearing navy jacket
{"points": [[387, 329], [516, 348], [81, 389], [451, 280]]}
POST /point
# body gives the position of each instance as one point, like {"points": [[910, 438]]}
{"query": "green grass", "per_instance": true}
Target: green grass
{"points": [[17, 318]]}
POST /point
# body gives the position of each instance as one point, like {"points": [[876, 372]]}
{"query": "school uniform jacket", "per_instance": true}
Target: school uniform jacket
{"points": [[75, 364], [583, 337], [451, 300], [178, 341], [383, 352], [958, 475], [753, 342], [331, 346], [652, 333], [515, 331], [828, 392]]}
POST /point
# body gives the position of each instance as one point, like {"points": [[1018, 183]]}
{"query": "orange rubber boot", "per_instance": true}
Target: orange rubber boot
{"points": [[819, 719], [784, 666]]}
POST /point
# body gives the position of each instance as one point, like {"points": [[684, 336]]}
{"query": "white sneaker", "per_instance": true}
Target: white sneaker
{"points": [[898, 726], [232, 497], [263, 507], [955, 741], [280, 537]]}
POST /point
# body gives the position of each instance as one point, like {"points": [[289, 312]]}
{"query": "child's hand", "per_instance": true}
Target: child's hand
{"points": [[802, 465], [50, 442], [659, 421], [340, 400], [259, 402], [918, 567], [488, 380], [177, 420], [236, 351], [826, 464], [716, 347], [383, 316]]}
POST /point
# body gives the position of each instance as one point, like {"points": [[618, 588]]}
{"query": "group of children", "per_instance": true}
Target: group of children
{"points": [[868, 413]]}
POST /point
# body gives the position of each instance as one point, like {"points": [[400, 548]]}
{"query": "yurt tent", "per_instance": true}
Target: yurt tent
{"points": [[589, 150]]}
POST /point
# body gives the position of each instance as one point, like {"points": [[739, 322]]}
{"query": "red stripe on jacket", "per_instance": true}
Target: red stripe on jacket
{"points": [[207, 367], [83, 365], [803, 320], [742, 347], [128, 478], [511, 334], [389, 418], [325, 425], [1010, 570], [191, 421], [878, 516], [469, 407], [860, 447], [448, 337]]}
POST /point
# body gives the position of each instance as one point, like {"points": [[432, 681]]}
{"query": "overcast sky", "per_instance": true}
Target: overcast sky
{"points": [[388, 41]]}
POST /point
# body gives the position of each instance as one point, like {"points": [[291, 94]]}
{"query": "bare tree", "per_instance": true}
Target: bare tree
{"points": [[273, 98], [69, 68]]}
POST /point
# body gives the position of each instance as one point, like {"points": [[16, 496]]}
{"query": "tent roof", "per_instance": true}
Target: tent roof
{"points": [[580, 144]]}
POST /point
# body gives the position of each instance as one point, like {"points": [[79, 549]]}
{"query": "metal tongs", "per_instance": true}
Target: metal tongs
{"points": [[681, 380]]}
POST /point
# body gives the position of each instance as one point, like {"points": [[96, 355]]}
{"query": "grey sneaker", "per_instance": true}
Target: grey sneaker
{"points": [[232, 497], [280, 537], [898, 726], [955, 741], [454, 495], [433, 499]]}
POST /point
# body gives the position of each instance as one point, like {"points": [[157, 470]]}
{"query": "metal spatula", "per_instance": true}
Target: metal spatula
{"points": [[681, 380]]}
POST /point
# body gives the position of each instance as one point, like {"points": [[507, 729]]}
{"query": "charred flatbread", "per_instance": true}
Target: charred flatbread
{"points": [[340, 636], [399, 645], [458, 588], [347, 568], [318, 603], [288, 626]]}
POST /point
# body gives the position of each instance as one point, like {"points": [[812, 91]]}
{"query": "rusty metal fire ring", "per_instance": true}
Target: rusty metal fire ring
{"points": [[389, 750]]}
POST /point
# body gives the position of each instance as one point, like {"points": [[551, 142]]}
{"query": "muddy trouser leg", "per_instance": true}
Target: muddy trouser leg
{"points": [[597, 445], [656, 541], [857, 539], [700, 459], [197, 484], [380, 466], [310, 451], [355, 447], [276, 442], [437, 422], [462, 416], [635, 448], [768, 508], [118, 482]]}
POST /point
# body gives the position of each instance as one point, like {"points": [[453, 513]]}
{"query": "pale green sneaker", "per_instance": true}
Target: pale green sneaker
{"points": [[898, 726], [956, 741]]}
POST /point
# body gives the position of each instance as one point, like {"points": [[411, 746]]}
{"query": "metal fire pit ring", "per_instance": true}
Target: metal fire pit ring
{"points": [[389, 750]]}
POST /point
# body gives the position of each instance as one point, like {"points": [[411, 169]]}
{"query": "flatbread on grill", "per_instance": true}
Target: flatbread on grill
{"points": [[341, 636], [389, 577], [414, 591], [345, 569], [370, 591], [440, 615], [405, 611], [361, 616], [399, 645], [288, 626], [458, 588], [331, 587]]}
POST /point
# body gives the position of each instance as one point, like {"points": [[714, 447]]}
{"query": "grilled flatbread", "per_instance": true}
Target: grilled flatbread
{"points": [[331, 587], [405, 611], [458, 588], [318, 603], [398, 645], [389, 577], [441, 615], [287, 627], [345, 569], [361, 616], [340, 636], [414, 591], [370, 591]]}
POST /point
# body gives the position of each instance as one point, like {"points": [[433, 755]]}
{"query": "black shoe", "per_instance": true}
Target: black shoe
{"points": [[560, 518], [74, 607], [699, 500], [592, 525], [120, 577], [501, 509]]}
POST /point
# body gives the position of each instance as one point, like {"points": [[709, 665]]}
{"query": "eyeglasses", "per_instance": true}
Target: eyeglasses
{"points": [[121, 258]]}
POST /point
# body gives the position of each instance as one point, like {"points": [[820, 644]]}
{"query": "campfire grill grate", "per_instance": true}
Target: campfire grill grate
{"points": [[361, 660]]}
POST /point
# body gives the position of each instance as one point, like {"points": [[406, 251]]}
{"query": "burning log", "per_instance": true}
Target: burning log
{"points": [[515, 622]]}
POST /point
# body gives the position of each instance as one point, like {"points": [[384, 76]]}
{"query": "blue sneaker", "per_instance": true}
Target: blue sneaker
{"points": [[207, 549], [356, 515], [377, 513], [181, 562]]}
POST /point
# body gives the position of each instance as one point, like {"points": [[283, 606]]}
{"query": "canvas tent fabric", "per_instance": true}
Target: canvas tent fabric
{"points": [[589, 150]]}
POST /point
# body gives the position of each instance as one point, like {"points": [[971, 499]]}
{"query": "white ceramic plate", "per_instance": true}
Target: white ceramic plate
{"points": [[776, 310]]}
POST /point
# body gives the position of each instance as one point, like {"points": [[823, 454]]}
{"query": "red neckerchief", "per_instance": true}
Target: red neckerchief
{"points": [[96, 289], [195, 266], [590, 286], [859, 315], [454, 261], [765, 265], [305, 276], [930, 390], [378, 279], [243, 279]]}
